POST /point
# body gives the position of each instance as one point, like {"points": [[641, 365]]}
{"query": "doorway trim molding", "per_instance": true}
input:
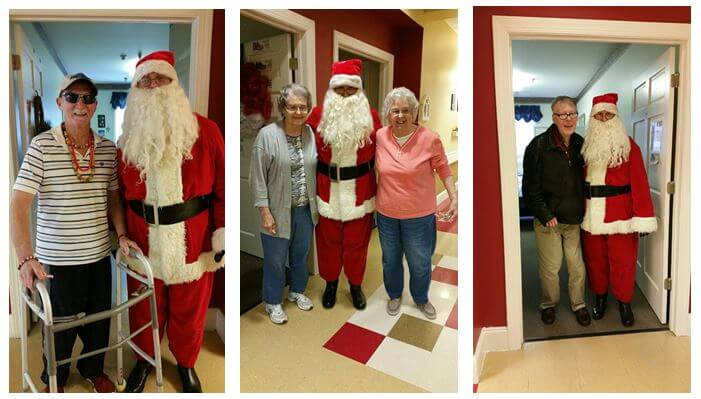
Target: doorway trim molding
{"points": [[200, 38], [342, 41], [505, 29], [303, 30]]}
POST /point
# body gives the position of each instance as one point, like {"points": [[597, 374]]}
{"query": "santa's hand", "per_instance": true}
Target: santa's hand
{"points": [[218, 256], [552, 222], [125, 243]]}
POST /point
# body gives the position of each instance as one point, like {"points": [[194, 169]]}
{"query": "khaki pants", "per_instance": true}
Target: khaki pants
{"points": [[551, 243]]}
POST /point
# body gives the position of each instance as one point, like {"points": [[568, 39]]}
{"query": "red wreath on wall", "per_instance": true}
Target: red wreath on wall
{"points": [[255, 95]]}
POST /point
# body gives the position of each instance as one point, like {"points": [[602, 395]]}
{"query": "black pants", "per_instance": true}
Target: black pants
{"points": [[74, 289]]}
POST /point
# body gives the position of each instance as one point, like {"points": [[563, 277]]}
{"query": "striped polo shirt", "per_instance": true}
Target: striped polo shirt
{"points": [[72, 227]]}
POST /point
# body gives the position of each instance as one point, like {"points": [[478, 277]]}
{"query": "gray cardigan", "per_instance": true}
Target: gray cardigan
{"points": [[270, 175]]}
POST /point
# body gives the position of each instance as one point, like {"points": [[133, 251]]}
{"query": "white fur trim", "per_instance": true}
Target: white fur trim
{"points": [[218, 240], [598, 107], [346, 80], [330, 211], [158, 66], [342, 196], [185, 272]]}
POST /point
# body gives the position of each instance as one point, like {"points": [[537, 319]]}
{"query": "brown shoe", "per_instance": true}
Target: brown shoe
{"points": [[582, 316], [102, 384], [548, 315]]}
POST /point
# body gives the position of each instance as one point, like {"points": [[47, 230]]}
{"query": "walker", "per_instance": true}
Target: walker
{"points": [[53, 325]]}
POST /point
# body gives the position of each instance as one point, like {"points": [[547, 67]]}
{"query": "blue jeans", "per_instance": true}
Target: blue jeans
{"points": [[414, 238], [280, 252]]}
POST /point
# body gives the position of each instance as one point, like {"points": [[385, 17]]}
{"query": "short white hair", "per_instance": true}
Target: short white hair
{"points": [[399, 93]]}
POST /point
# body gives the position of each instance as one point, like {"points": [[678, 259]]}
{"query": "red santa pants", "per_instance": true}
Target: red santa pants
{"points": [[343, 245], [611, 259], [182, 309]]}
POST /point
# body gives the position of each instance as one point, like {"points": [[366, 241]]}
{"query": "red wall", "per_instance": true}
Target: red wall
{"points": [[488, 275], [216, 113], [390, 30]]}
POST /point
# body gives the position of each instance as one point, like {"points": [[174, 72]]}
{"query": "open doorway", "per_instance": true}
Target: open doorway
{"points": [[641, 75], [370, 76]]}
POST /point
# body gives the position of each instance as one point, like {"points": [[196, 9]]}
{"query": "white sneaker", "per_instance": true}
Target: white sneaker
{"points": [[277, 315], [303, 302]]}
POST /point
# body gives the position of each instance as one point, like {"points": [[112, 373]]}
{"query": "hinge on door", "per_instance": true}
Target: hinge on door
{"points": [[668, 284], [16, 62], [294, 64], [670, 187], [675, 79]]}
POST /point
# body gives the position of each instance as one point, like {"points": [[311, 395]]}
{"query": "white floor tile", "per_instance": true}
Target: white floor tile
{"points": [[448, 262], [374, 317], [400, 360], [441, 372]]}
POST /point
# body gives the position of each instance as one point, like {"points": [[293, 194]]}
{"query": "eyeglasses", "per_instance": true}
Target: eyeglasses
{"points": [[297, 108], [160, 81], [74, 97], [397, 111], [604, 116], [571, 115]]}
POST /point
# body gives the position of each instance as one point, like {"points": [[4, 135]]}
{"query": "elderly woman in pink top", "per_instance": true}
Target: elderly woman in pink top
{"points": [[406, 159]]}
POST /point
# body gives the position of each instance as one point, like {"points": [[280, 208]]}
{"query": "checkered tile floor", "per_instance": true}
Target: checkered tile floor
{"points": [[408, 346]]}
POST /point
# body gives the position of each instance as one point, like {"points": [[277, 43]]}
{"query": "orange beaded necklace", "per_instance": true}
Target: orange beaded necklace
{"points": [[83, 173]]}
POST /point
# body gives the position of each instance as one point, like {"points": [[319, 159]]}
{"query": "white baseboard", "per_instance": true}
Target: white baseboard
{"points": [[491, 339], [215, 322]]}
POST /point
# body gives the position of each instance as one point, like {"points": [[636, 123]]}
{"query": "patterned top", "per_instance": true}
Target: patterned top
{"points": [[299, 184], [72, 227]]}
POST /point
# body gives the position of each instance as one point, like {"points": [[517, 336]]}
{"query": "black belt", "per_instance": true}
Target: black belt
{"points": [[170, 214], [604, 191], [345, 173]]}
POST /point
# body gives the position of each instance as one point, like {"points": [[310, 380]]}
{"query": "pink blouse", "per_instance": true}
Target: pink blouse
{"points": [[405, 182]]}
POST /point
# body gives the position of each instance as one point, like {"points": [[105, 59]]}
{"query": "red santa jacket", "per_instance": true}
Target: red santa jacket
{"points": [[348, 199], [183, 251], [624, 213]]}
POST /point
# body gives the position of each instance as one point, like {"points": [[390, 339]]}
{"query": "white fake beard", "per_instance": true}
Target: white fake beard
{"points": [[606, 143], [346, 122], [159, 126]]}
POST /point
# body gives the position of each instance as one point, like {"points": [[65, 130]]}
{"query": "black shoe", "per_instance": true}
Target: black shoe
{"points": [[188, 377], [548, 315], [627, 317], [597, 312], [329, 298], [582, 317], [358, 297], [137, 378]]}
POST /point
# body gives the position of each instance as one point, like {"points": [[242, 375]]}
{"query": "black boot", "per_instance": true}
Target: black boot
{"points": [[358, 297], [627, 317], [329, 298], [137, 378], [188, 377], [597, 312]]}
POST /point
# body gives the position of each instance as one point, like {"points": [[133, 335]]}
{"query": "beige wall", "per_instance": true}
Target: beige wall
{"points": [[439, 65]]}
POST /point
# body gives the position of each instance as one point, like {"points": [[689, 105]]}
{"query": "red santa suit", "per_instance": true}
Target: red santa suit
{"points": [[182, 254], [612, 223], [345, 206]]}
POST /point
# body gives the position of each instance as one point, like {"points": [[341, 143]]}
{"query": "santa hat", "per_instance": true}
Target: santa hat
{"points": [[161, 62], [346, 73], [606, 102]]}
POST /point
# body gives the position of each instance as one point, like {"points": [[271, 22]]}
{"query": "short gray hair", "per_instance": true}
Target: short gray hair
{"points": [[399, 93], [560, 99], [292, 89]]}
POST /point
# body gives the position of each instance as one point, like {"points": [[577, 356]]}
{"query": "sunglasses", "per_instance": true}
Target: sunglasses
{"points": [[74, 97]]}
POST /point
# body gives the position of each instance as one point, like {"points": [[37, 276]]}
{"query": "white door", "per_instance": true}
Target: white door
{"points": [[652, 127], [272, 55]]}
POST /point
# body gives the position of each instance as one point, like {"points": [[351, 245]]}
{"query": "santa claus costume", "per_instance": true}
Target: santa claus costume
{"points": [[344, 130], [172, 159], [618, 207]]}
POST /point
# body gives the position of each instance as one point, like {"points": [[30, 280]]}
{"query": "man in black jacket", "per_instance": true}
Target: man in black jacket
{"points": [[553, 189]]}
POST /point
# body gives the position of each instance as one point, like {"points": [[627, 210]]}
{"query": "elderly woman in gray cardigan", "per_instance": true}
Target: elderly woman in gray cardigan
{"points": [[282, 178]]}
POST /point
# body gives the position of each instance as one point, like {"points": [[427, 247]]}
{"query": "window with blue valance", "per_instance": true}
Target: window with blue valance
{"points": [[119, 99], [528, 113]]}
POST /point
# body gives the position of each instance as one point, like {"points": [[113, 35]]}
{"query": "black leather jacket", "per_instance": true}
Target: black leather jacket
{"points": [[553, 185]]}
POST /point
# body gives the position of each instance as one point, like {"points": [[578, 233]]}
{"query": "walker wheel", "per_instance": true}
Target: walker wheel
{"points": [[121, 386]]}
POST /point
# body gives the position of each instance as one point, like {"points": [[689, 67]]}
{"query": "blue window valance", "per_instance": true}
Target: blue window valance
{"points": [[119, 99], [528, 113]]}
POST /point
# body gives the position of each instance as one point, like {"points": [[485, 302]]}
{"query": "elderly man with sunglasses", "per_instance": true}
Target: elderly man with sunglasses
{"points": [[553, 189], [73, 172], [171, 170]]}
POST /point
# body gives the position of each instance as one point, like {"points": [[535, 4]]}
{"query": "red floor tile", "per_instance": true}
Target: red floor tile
{"points": [[452, 321], [354, 342], [448, 276]]}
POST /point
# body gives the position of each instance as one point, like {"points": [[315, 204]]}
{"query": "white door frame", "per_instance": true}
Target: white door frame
{"points": [[200, 44], [342, 41], [305, 42], [200, 39], [506, 29]]}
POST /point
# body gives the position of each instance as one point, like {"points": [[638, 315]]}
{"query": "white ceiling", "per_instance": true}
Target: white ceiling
{"points": [[559, 67], [94, 48]]}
